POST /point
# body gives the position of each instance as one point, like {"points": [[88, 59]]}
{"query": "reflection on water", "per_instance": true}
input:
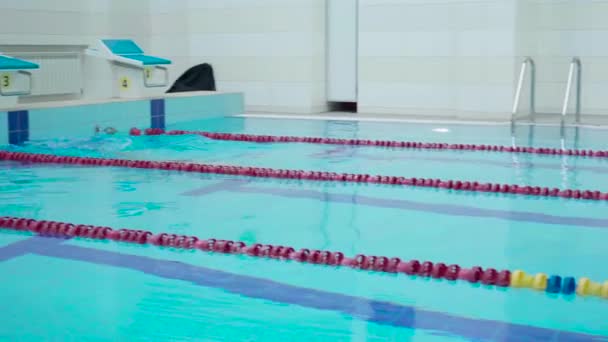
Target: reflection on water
{"points": [[127, 209]]}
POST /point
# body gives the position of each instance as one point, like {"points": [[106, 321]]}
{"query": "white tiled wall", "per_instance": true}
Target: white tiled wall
{"points": [[273, 50], [553, 31], [449, 57], [435, 57], [461, 57], [72, 21]]}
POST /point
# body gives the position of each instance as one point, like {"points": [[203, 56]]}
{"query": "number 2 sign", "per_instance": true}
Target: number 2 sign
{"points": [[124, 83]]}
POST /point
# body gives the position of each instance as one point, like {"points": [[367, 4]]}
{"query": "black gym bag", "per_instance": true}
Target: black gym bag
{"points": [[199, 77]]}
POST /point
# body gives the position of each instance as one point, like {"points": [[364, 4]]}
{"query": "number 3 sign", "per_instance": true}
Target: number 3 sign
{"points": [[5, 81]]}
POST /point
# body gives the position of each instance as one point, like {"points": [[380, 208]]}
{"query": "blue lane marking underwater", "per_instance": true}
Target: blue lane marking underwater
{"points": [[444, 209], [222, 186], [347, 152], [16, 249], [236, 185], [380, 312], [23, 247]]}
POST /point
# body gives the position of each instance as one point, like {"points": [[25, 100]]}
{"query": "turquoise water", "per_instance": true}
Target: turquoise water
{"points": [[80, 289]]}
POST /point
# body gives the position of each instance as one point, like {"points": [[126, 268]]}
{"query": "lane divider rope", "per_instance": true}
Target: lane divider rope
{"points": [[426, 269], [458, 185], [377, 143]]}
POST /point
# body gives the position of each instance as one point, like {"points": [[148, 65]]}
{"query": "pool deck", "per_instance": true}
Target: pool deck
{"points": [[85, 102], [550, 120]]}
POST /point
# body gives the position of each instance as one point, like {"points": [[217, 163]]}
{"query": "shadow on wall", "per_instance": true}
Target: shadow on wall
{"points": [[199, 77]]}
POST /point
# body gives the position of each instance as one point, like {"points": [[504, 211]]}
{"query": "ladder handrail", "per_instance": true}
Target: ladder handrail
{"points": [[575, 64], [520, 83]]}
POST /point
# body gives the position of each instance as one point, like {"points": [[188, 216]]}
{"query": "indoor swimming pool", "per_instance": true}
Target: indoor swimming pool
{"points": [[96, 289]]}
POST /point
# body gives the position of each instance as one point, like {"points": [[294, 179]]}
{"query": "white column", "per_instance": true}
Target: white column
{"points": [[342, 27]]}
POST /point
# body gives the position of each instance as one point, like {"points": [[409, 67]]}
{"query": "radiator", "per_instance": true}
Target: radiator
{"points": [[60, 73]]}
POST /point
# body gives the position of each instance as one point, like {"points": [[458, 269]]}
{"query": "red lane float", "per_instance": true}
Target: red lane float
{"points": [[458, 185], [384, 264], [377, 143], [489, 276]]}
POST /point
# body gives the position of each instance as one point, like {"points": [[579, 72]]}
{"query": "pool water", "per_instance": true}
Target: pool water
{"points": [[89, 290]]}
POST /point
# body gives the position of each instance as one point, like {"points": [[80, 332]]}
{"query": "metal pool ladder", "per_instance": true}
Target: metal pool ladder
{"points": [[526, 64], [575, 67], [574, 72]]}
